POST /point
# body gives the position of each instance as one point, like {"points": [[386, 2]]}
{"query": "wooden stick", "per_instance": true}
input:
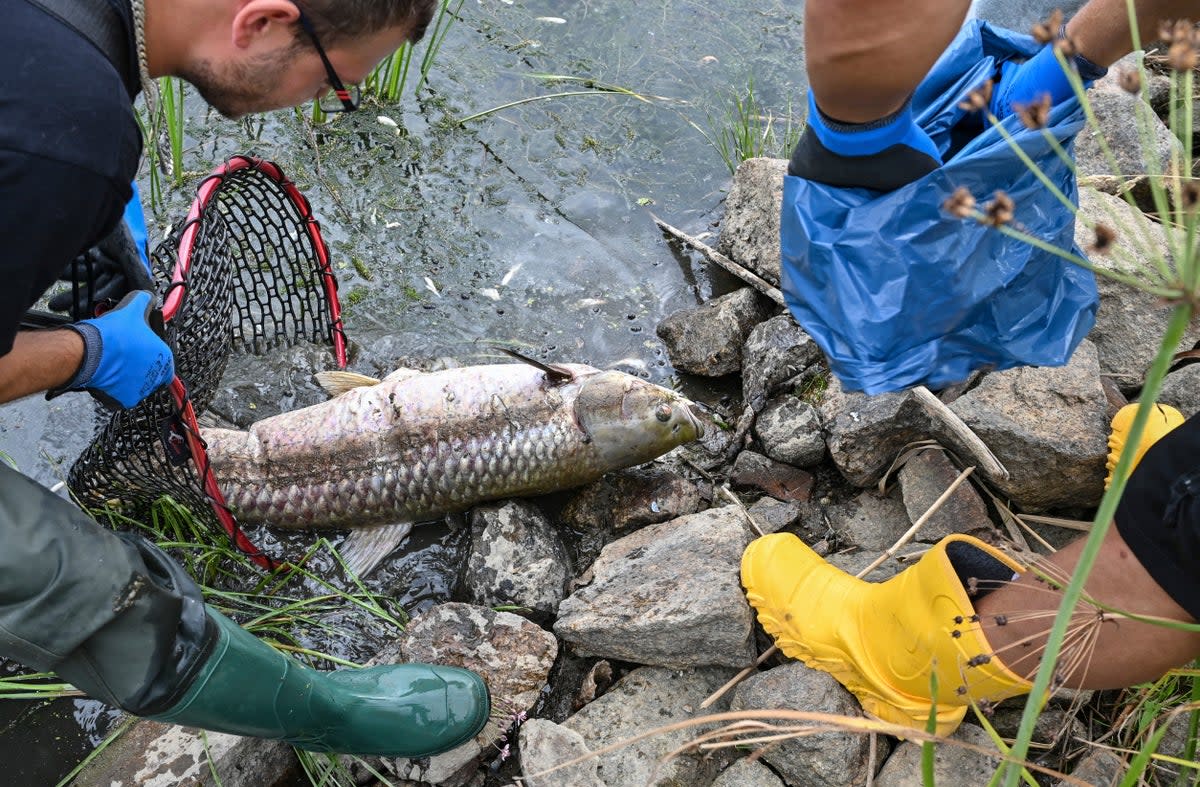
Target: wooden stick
{"points": [[717, 258], [738, 678], [737, 501], [968, 439], [912, 531]]}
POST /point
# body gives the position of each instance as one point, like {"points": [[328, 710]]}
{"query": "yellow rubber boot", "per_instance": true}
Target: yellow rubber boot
{"points": [[1163, 418], [883, 640]]}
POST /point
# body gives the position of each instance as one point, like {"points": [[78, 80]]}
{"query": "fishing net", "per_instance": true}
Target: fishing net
{"points": [[247, 270]]}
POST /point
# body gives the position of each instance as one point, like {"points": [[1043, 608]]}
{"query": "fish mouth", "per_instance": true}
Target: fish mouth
{"points": [[689, 410]]}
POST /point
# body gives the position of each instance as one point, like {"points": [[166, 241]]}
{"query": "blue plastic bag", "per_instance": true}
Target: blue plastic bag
{"points": [[899, 293]]}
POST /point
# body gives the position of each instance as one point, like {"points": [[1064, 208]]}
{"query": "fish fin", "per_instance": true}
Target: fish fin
{"points": [[337, 383], [365, 548], [556, 373]]}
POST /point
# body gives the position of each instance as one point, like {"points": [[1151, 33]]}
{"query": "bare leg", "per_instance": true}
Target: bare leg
{"points": [[1124, 651], [865, 58]]}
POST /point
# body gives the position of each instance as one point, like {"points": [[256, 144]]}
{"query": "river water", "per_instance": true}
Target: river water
{"points": [[530, 226]]}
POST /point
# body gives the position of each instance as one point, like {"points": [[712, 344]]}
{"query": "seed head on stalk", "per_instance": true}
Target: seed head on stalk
{"points": [[1130, 80], [999, 211], [1036, 114], [960, 204], [1046, 30], [978, 98], [1105, 236]]}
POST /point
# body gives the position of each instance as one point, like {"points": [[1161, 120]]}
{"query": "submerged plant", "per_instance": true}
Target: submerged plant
{"points": [[746, 130]]}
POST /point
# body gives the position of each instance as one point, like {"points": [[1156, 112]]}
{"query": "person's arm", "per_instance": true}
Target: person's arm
{"points": [[1101, 28], [39, 361], [866, 57]]}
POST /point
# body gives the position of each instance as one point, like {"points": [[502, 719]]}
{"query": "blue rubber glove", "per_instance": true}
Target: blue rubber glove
{"points": [[1025, 81], [124, 360]]}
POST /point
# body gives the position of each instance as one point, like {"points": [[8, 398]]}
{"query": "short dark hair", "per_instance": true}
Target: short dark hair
{"points": [[336, 21]]}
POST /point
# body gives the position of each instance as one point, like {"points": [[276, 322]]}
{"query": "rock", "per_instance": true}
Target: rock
{"points": [[1021, 15], [923, 479], [790, 432], [1048, 427], [833, 759], [647, 699], [953, 766], [750, 227], [773, 515], [513, 655], [708, 340], [544, 745], [747, 773], [776, 352], [517, 558], [624, 501], [669, 594], [1099, 767], [869, 521], [855, 561], [1181, 390], [1130, 323], [1054, 725], [150, 754], [775, 478], [1120, 116], [864, 433]]}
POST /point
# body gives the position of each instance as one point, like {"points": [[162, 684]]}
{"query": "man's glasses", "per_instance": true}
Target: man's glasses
{"points": [[342, 99]]}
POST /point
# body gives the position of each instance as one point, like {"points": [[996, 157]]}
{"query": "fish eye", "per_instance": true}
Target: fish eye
{"points": [[664, 412]]}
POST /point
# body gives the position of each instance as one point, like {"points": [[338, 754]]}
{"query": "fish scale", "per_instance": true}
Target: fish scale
{"points": [[416, 446]]}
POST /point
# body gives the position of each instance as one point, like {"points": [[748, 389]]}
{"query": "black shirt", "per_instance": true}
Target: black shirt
{"points": [[69, 148]]}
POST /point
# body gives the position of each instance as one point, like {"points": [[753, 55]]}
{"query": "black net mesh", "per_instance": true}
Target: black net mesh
{"points": [[255, 276]]}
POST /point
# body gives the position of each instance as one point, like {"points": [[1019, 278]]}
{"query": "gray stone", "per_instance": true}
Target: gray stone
{"points": [[1181, 390], [545, 745], [776, 352], [150, 754], [648, 699], [773, 515], [777, 479], [790, 431], [923, 479], [629, 499], [1121, 116], [669, 594], [1099, 768], [513, 655], [1048, 426], [750, 226], [954, 766], [1021, 15], [747, 773], [865, 433], [1130, 323], [517, 558], [855, 561], [828, 759], [1053, 725], [869, 521], [708, 339]]}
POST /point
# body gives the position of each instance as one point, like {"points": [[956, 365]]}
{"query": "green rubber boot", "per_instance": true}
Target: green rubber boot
{"points": [[246, 687]]}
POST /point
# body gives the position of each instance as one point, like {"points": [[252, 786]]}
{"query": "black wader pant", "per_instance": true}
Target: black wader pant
{"points": [[108, 612]]}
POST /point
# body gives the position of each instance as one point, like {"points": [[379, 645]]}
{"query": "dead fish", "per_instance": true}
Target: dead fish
{"points": [[385, 454]]}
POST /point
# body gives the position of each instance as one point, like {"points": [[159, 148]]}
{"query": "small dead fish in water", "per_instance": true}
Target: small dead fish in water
{"points": [[384, 454]]}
